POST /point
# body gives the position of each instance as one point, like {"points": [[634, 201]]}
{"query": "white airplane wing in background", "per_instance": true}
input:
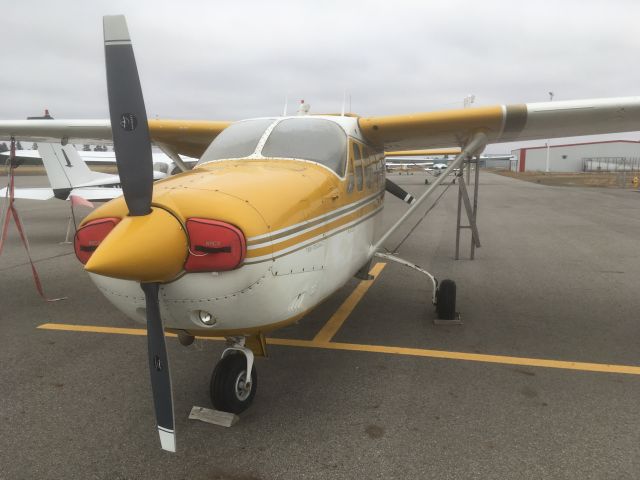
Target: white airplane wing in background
{"points": [[29, 193], [97, 194]]}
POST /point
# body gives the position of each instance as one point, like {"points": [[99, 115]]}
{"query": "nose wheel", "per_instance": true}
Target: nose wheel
{"points": [[231, 389]]}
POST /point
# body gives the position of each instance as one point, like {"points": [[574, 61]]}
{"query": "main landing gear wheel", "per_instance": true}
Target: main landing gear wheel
{"points": [[229, 389], [426, 181], [446, 300]]}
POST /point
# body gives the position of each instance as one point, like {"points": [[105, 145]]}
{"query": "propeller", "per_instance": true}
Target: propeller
{"points": [[132, 147], [131, 140]]}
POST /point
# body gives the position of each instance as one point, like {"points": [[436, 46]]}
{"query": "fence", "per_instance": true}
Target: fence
{"points": [[611, 164]]}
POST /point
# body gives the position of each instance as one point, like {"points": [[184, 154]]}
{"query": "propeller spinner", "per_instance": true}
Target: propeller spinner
{"points": [[132, 147]]}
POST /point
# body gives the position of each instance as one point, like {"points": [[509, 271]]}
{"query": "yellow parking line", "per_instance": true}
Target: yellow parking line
{"points": [[141, 332], [338, 318], [95, 329], [413, 352], [484, 358]]}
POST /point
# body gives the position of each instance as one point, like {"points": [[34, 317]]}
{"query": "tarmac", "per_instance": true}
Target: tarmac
{"points": [[541, 380]]}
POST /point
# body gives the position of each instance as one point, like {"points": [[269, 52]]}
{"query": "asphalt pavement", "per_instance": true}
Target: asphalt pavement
{"points": [[556, 280]]}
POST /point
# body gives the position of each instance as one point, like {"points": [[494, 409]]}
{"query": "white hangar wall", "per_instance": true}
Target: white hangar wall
{"points": [[570, 158]]}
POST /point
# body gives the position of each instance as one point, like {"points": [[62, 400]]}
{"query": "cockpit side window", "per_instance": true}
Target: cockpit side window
{"points": [[314, 139], [238, 140]]}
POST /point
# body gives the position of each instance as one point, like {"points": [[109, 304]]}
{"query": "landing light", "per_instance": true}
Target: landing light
{"points": [[207, 318]]}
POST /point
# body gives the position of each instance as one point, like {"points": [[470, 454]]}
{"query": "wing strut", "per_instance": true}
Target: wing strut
{"points": [[171, 153], [463, 199], [474, 147]]}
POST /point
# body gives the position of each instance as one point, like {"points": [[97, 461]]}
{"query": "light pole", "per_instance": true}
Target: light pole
{"points": [[547, 164]]}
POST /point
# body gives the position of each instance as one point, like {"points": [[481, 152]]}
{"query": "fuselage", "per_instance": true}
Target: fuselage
{"points": [[306, 193]]}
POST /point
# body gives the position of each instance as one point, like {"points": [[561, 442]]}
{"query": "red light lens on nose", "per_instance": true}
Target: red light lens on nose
{"points": [[91, 235], [214, 246]]}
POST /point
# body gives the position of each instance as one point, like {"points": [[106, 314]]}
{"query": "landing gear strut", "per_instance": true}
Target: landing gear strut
{"points": [[443, 294], [234, 380]]}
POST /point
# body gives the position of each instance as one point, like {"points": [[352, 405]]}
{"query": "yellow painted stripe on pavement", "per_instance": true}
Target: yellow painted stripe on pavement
{"points": [[95, 329], [413, 352], [338, 318], [67, 327], [475, 357]]}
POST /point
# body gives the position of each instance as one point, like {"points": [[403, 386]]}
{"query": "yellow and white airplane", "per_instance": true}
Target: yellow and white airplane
{"points": [[276, 216]]}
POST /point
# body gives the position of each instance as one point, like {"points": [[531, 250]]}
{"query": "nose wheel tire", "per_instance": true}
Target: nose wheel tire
{"points": [[229, 389], [446, 300]]}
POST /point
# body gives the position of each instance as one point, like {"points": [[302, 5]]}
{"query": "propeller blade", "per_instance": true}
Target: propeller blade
{"points": [[129, 126], [159, 368], [397, 191]]}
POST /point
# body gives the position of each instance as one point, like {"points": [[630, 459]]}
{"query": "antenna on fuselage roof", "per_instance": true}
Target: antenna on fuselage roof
{"points": [[304, 108], [286, 102]]}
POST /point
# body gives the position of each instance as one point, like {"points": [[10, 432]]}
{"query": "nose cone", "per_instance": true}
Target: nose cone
{"points": [[150, 248]]}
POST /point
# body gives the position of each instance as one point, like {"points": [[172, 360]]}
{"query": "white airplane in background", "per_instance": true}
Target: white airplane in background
{"points": [[69, 175], [428, 166], [278, 215], [161, 161], [402, 161]]}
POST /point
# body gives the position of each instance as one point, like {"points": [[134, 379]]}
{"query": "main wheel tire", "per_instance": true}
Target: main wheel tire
{"points": [[446, 300], [426, 181], [228, 392]]}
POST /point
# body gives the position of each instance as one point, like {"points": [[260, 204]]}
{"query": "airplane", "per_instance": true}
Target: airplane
{"points": [[69, 175], [430, 167], [278, 214], [405, 161], [161, 161], [438, 168]]}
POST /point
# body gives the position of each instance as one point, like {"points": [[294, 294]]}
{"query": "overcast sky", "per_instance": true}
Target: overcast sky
{"points": [[233, 60]]}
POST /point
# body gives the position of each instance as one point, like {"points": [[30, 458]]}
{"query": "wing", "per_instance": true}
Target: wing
{"points": [[503, 123], [97, 194], [93, 194], [187, 137], [29, 193]]}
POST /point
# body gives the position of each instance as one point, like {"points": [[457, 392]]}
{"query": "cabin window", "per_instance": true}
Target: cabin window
{"points": [[380, 172], [314, 139], [368, 167], [238, 140], [357, 164], [350, 180]]}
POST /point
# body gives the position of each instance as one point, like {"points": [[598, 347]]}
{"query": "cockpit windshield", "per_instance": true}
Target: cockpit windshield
{"points": [[238, 140], [314, 139]]}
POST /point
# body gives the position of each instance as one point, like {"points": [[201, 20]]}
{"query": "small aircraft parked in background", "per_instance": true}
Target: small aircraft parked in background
{"points": [[161, 161], [69, 175]]}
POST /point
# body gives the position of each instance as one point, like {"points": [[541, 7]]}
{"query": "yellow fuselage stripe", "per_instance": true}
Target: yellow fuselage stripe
{"points": [[258, 252], [414, 352]]}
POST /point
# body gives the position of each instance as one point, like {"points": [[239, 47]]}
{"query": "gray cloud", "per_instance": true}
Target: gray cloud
{"points": [[223, 60]]}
